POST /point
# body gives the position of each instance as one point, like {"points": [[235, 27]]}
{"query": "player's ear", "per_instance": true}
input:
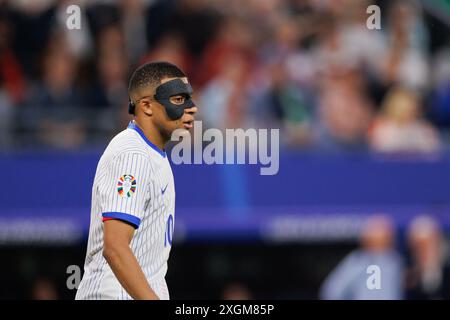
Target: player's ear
{"points": [[146, 107]]}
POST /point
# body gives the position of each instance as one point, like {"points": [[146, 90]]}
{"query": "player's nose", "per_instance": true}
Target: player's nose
{"points": [[191, 110]]}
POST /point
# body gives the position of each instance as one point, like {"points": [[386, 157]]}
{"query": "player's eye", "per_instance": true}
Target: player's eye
{"points": [[177, 100]]}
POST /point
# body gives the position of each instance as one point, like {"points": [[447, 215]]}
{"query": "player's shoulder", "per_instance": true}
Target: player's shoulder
{"points": [[126, 142]]}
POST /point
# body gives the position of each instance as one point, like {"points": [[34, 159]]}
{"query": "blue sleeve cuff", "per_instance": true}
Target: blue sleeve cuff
{"points": [[135, 221]]}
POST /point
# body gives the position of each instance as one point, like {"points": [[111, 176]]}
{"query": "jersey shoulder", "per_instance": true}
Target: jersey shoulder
{"points": [[126, 142]]}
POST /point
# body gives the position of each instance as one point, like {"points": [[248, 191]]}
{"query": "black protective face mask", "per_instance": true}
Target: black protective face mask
{"points": [[175, 87], [169, 89]]}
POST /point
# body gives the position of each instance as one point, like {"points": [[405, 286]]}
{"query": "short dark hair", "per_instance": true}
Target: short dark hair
{"points": [[151, 74]]}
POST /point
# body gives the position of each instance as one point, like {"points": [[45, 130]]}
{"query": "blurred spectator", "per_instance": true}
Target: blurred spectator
{"points": [[195, 21], [363, 47], [234, 42], [107, 97], [406, 62], [79, 41], [170, 47], [226, 96], [44, 289], [11, 71], [12, 84], [290, 105], [133, 26], [236, 291], [428, 276], [280, 95], [349, 280], [311, 68], [6, 122], [54, 104], [31, 25], [400, 128], [345, 110], [440, 104]]}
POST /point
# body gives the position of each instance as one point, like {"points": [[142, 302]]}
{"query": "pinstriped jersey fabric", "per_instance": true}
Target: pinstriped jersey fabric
{"points": [[133, 183]]}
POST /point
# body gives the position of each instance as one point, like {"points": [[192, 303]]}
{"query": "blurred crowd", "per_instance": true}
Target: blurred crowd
{"points": [[309, 67], [388, 264], [423, 273]]}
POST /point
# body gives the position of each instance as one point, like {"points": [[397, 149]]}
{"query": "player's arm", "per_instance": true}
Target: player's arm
{"points": [[120, 257]]}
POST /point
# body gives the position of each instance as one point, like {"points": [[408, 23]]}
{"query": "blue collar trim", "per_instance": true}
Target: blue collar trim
{"points": [[132, 125]]}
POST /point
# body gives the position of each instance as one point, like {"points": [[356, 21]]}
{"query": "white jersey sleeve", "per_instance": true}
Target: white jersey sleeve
{"points": [[124, 194]]}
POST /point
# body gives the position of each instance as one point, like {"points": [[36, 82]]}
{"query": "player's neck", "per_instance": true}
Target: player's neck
{"points": [[152, 133]]}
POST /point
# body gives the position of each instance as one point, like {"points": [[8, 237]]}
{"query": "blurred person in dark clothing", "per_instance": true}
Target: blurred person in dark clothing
{"points": [[113, 71], [406, 60], [171, 47], [12, 84], [440, 97], [348, 281], [54, 104], [107, 95], [227, 95], [287, 103], [79, 41], [133, 25], [344, 110], [10, 68], [428, 277], [188, 17], [283, 88], [234, 41], [33, 22]]}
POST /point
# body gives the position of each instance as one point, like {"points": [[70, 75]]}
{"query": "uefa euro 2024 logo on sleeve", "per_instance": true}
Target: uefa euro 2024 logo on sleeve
{"points": [[126, 185]]}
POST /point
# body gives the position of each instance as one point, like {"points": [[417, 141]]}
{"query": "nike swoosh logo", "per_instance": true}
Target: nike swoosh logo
{"points": [[164, 190]]}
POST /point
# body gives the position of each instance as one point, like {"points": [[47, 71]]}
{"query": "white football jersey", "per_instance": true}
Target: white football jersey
{"points": [[133, 183]]}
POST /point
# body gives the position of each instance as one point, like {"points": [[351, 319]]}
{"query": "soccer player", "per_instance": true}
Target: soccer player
{"points": [[133, 196]]}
